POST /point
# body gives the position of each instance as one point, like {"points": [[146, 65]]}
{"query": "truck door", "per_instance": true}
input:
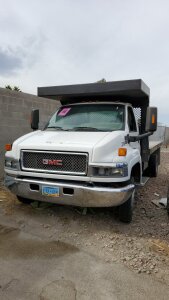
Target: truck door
{"points": [[133, 127]]}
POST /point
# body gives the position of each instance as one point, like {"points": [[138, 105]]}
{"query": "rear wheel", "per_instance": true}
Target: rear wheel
{"points": [[153, 165], [24, 200], [126, 210]]}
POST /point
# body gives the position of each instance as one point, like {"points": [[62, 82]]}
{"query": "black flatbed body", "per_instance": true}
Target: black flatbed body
{"points": [[134, 91], [154, 146]]}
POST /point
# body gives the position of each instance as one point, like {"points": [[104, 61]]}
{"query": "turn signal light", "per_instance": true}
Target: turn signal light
{"points": [[8, 147], [153, 119], [122, 151]]}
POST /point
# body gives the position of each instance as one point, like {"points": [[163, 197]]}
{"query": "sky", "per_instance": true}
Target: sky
{"points": [[45, 43]]}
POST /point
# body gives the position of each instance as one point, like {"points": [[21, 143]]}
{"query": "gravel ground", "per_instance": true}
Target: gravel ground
{"points": [[142, 246]]}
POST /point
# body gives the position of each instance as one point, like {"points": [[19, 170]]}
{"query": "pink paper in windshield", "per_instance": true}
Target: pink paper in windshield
{"points": [[64, 111]]}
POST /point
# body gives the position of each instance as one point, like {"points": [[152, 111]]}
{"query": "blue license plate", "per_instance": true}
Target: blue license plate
{"points": [[50, 191]]}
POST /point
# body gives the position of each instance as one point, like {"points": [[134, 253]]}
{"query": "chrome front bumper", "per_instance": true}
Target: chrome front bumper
{"points": [[81, 194]]}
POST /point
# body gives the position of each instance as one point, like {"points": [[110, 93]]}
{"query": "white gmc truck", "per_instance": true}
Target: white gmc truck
{"points": [[94, 150]]}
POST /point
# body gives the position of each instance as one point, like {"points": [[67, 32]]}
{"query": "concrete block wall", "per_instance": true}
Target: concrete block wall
{"points": [[15, 111], [166, 139]]}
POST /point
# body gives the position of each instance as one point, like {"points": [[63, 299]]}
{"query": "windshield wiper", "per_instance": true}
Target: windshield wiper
{"points": [[78, 128], [55, 127], [86, 128]]}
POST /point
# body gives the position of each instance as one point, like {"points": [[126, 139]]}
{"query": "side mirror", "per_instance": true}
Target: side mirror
{"points": [[35, 119], [151, 119]]}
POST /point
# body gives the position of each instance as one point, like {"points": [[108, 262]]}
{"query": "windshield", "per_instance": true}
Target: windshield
{"points": [[88, 117]]}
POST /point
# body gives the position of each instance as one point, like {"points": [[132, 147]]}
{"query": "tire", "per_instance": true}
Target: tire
{"points": [[168, 201], [24, 200], [153, 165], [126, 210]]}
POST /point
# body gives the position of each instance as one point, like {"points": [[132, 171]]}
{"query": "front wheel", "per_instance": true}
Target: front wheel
{"points": [[24, 200], [126, 210]]}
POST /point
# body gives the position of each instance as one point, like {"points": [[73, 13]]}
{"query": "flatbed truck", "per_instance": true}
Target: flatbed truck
{"points": [[93, 152]]}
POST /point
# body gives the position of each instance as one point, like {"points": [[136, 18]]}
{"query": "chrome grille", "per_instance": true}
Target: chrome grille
{"points": [[72, 163]]}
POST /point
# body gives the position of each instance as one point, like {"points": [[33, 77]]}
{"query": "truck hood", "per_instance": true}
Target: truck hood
{"points": [[59, 141], [94, 143]]}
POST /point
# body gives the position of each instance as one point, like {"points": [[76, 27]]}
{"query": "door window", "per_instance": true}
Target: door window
{"points": [[131, 120]]}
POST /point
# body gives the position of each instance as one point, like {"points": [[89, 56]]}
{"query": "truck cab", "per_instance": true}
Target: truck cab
{"points": [[91, 153]]}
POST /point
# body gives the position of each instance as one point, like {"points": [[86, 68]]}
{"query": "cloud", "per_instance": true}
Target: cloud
{"points": [[32, 48], [69, 42], [14, 59], [10, 62]]}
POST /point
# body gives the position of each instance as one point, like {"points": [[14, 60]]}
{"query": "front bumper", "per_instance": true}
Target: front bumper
{"points": [[78, 194]]}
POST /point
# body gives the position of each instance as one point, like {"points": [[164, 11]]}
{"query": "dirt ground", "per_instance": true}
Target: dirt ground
{"points": [[58, 252]]}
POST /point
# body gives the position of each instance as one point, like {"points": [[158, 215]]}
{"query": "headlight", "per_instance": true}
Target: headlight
{"points": [[11, 163], [8, 163], [121, 170]]}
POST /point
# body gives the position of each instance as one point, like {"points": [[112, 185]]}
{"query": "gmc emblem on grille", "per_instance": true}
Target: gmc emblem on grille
{"points": [[52, 162]]}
